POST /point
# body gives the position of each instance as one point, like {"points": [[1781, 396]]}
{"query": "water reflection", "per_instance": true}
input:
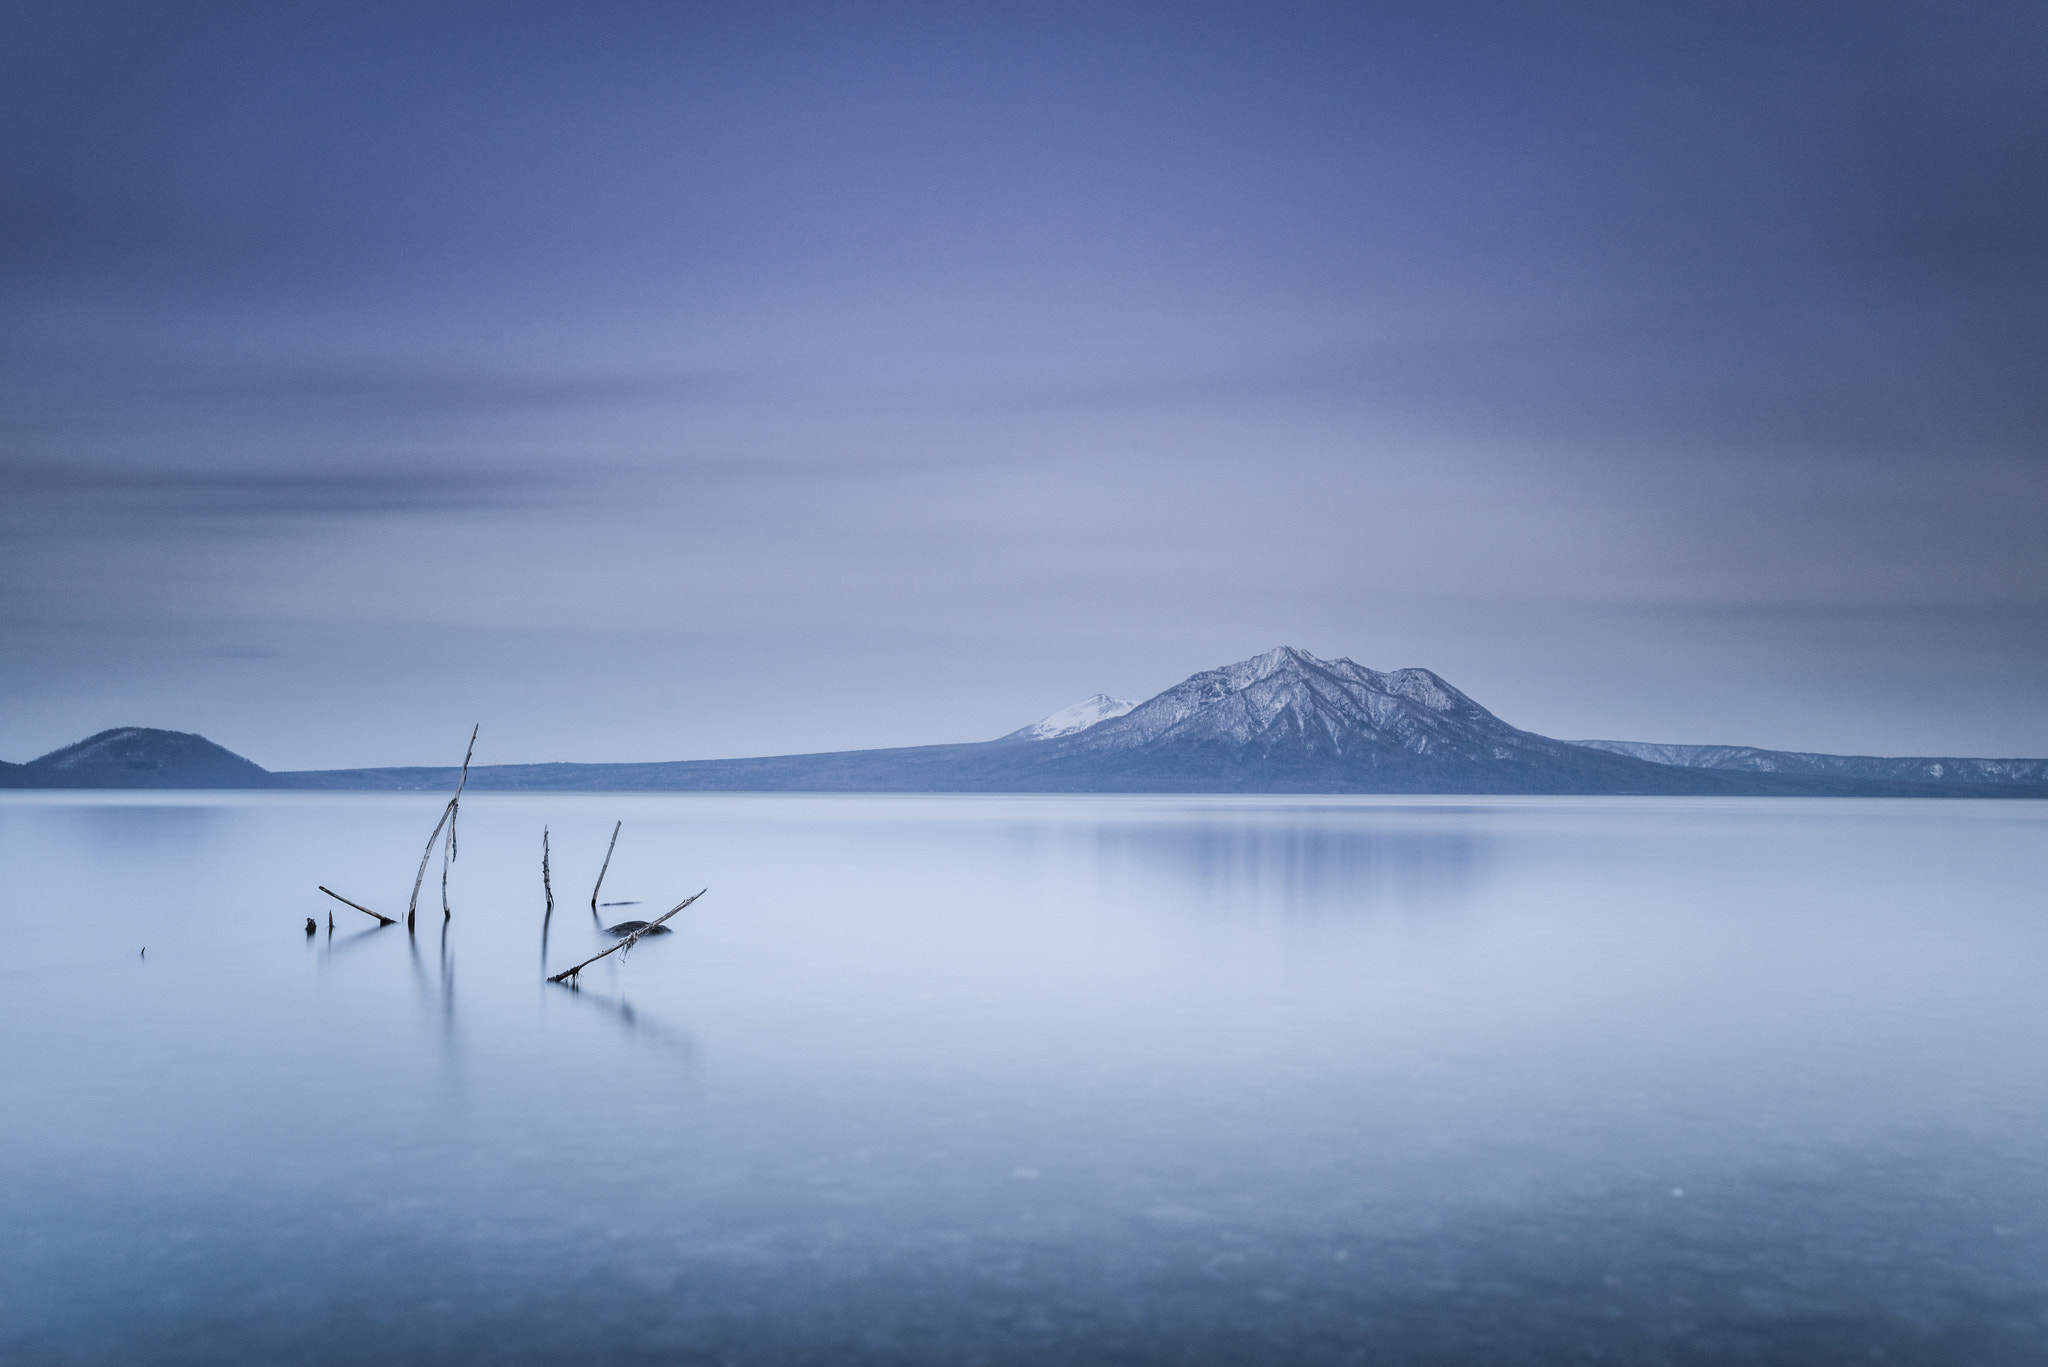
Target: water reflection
{"points": [[1031, 1081], [1315, 868], [634, 1022]]}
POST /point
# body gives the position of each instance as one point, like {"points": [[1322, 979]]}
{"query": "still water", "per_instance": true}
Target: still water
{"points": [[1026, 1080]]}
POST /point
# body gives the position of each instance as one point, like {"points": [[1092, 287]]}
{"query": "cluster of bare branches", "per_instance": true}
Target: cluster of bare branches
{"points": [[448, 850], [630, 932]]}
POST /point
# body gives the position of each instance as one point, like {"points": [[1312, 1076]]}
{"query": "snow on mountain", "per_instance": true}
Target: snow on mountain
{"points": [[1289, 701], [1906, 769], [1069, 720]]}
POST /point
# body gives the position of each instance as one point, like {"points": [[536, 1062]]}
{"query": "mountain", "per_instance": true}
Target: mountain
{"points": [[1282, 722], [139, 757], [1912, 769], [1286, 721], [1069, 720]]}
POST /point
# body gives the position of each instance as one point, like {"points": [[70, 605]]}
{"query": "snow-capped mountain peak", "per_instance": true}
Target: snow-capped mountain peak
{"points": [[1069, 720], [1288, 701]]}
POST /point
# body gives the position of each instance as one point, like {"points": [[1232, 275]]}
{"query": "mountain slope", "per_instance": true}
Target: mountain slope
{"points": [[140, 757], [1281, 722], [1286, 721], [1904, 769], [1069, 720]]}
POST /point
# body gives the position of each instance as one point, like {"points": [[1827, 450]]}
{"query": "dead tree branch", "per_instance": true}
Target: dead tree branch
{"points": [[448, 851], [629, 941], [607, 864], [382, 919], [545, 886], [421, 877]]}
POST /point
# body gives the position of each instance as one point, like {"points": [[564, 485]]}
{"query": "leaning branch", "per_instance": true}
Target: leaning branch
{"points": [[627, 943], [449, 851], [455, 803], [382, 919], [421, 877], [607, 864], [447, 820]]}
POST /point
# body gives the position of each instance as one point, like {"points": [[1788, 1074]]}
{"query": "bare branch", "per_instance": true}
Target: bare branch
{"points": [[413, 905], [456, 801], [607, 864], [546, 886], [629, 941], [382, 919]]}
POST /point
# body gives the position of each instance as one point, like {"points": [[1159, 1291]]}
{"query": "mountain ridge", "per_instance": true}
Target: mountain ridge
{"points": [[1281, 722], [1901, 769]]}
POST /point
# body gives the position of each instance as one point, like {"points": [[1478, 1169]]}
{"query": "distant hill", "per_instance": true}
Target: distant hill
{"points": [[1947, 771], [1282, 722], [139, 757]]}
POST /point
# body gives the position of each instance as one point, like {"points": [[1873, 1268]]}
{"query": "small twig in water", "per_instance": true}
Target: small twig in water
{"points": [[629, 941], [382, 919], [607, 864]]}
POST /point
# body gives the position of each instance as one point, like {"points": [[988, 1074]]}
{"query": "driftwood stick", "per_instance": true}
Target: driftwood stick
{"points": [[455, 803], [382, 919], [628, 942], [448, 820], [545, 886], [413, 905], [451, 850], [607, 864]]}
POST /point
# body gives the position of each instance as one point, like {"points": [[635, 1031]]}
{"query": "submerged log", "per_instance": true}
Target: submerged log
{"points": [[630, 940], [628, 927]]}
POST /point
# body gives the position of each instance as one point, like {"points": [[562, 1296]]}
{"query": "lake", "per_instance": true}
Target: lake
{"points": [[1026, 1080]]}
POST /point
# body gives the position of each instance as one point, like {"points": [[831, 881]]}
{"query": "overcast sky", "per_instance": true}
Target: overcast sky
{"points": [[655, 382]]}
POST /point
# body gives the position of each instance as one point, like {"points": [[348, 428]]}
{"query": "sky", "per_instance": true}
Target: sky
{"points": [[681, 381]]}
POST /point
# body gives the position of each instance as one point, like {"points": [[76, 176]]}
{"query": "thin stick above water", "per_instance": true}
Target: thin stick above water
{"points": [[382, 919], [455, 810], [413, 905], [447, 820], [546, 886], [607, 864], [549, 889], [628, 942]]}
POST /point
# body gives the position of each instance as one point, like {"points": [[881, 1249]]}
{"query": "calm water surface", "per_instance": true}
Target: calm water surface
{"points": [[1027, 1080]]}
